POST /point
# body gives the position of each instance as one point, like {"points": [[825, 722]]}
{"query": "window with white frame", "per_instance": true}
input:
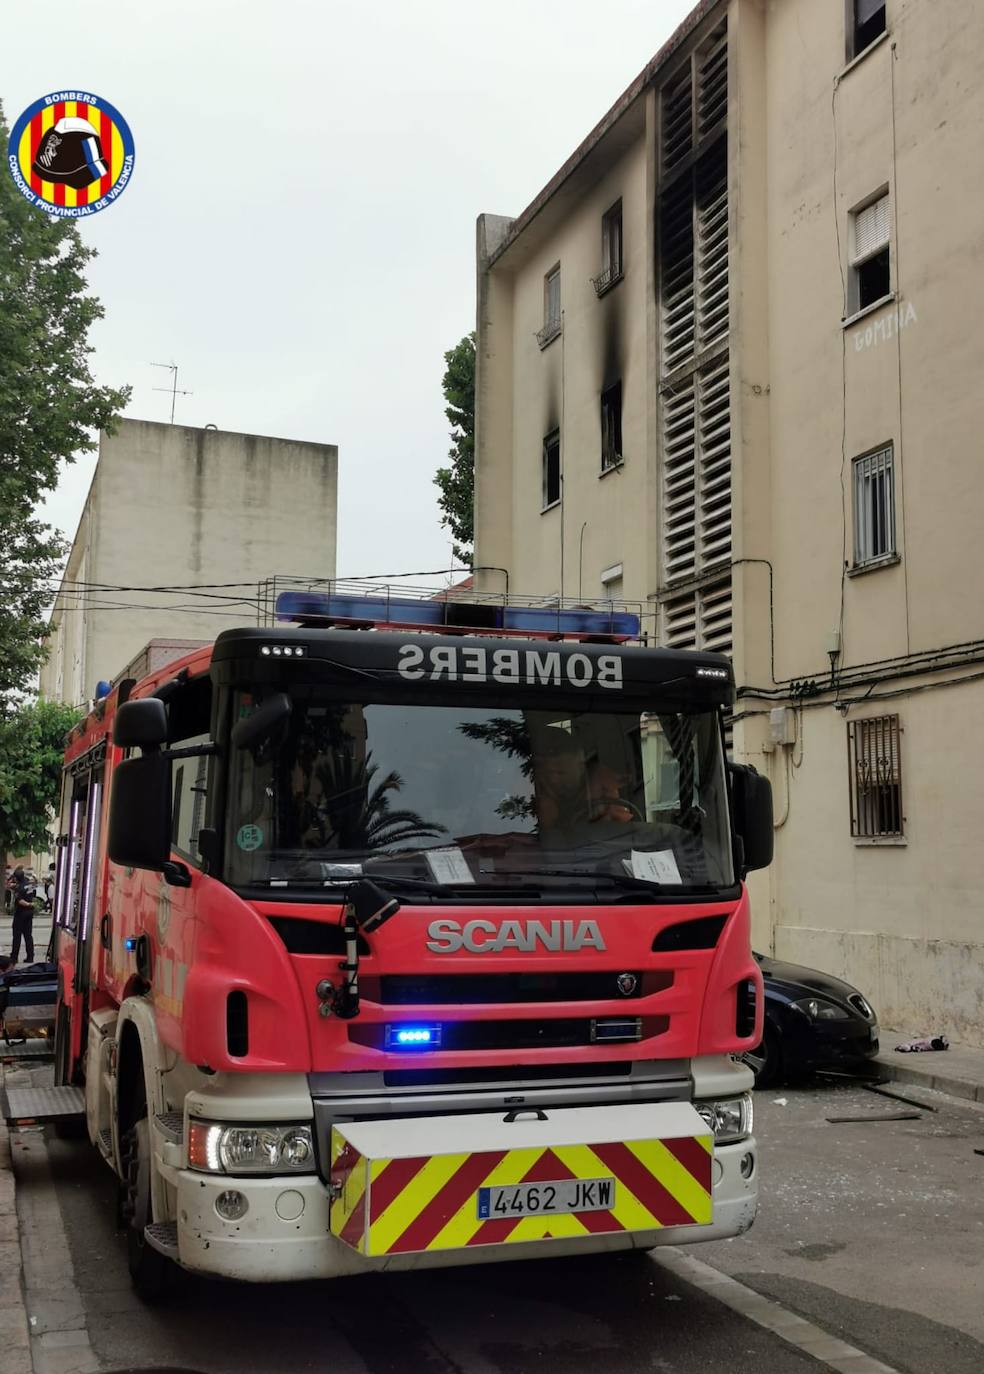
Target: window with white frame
{"points": [[871, 266], [611, 582], [551, 307], [874, 506], [611, 250]]}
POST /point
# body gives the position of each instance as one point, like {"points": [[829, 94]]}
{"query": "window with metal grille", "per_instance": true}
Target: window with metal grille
{"points": [[551, 469], [551, 307], [871, 267], [874, 506], [611, 427], [874, 757], [867, 21], [611, 250]]}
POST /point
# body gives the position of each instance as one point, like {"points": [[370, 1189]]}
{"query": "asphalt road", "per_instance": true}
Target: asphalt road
{"points": [[873, 1231]]}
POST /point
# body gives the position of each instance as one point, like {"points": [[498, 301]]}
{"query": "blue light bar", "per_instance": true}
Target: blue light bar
{"points": [[130, 943], [407, 610], [571, 622], [322, 606], [410, 1037]]}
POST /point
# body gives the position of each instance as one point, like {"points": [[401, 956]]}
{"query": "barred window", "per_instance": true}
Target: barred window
{"points": [[874, 506], [875, 770]]}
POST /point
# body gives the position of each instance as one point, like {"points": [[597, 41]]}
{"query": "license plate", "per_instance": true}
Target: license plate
{"points": [[538, 1199]]}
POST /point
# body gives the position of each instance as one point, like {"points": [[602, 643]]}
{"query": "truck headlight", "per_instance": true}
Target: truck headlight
{"points": [[273, 1149], [730, 1118]]}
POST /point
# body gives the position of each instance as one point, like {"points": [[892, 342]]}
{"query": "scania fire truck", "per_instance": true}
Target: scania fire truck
{"points": [[411, 933]]}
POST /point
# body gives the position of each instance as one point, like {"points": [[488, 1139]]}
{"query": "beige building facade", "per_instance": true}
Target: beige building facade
{"points": [[208, 513], [728, 367]]}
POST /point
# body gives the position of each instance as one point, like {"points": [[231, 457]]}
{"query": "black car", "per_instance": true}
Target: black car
{"points": [[812, 1021]]}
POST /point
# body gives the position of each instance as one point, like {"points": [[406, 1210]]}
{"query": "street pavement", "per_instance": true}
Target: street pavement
{"points": [[871, 1230]]}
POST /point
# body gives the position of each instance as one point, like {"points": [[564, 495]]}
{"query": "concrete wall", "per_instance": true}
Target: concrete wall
{"points": [[170, 506]]}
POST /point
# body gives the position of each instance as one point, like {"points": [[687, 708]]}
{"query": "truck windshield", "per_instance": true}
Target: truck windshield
{"points": [[457, 795]]}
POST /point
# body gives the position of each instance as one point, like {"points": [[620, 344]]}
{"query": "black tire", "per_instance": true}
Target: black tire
{"points": [[151, 1272], [765, 1061]]}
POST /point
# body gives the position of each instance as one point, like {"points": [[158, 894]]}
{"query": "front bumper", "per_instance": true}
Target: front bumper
{"points": [[286, 1231]]}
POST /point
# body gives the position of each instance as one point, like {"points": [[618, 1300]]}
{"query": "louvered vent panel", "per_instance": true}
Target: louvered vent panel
{"points": [[715, 617], [677, 121], [677, 275], [714, 476], [679, 484], [712, 245], [680, 622], [712, 80]]}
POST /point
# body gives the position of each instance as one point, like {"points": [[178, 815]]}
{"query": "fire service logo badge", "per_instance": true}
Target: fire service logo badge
{"points": [[71, 154]]}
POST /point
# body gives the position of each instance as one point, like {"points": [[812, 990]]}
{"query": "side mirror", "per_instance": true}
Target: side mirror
{"points": [[263, 723], [141, 724], [140, 811], [751, 802]]}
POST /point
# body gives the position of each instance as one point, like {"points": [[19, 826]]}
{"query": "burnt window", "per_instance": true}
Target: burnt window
{"points": [[611, 249], [871, 268], [551, 469], [875, 777], [611, 426], [867, 19], [551, 307], [874, 506]]}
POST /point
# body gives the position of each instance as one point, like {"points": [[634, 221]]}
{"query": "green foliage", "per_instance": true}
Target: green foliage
{"points": [[457, 482], [32, 743], [49, 408]]}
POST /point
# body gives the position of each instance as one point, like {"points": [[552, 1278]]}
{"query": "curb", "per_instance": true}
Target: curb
{"points": [[966, 1088], [15, 1341]]}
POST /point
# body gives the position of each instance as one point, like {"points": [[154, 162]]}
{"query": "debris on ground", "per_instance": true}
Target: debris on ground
{"points": [[926, 1042], [876, 1116], [899, 1097]]}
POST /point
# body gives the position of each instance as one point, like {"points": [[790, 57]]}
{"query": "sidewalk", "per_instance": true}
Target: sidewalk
{"points": [[958, 1070]]}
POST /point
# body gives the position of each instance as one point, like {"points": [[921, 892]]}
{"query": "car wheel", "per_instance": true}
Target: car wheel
{"points": [[150, 1271], [765, 1061]]}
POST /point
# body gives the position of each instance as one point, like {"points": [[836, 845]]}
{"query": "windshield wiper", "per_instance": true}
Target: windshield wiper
{"points": [[626, 881]]}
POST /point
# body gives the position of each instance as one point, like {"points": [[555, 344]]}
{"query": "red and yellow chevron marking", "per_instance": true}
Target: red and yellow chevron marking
{"points": [[394, 1206], [55, 193]]}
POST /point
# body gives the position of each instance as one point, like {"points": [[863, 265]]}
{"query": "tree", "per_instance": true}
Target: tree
{"points": [[32, 743], [50, 408], [457, 482]]}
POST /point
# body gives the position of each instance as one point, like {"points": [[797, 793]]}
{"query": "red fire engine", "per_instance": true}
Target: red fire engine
{"points": [[412, 933]]}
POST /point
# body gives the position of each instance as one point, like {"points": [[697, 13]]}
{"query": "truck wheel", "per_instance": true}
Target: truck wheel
{"points": [[150, 1271]]}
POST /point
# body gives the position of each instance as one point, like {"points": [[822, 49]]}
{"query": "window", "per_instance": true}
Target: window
{"points": [[867, 22], [611, 427], [551, 469], [611, 250], [875, 764], [870, 254], [611, 583], [551, 307], [874, 506], [189, 714]]}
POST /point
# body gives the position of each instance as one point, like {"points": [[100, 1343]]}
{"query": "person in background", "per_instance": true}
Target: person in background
{"points": [[49, 888], [25, 893], [8, 888]]}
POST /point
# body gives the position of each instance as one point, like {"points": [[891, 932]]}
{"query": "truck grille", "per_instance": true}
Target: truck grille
{"points": [[559, 1033], [468, 989]]}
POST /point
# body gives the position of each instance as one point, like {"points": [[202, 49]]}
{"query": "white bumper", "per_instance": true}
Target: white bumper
{"points": [[285, 1233]]}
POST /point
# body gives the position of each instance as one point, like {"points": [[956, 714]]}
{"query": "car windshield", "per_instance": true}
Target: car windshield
{"points": [[460, 795]]}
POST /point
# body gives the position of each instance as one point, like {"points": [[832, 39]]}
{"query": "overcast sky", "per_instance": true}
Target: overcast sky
{"points": [[298, 234]]}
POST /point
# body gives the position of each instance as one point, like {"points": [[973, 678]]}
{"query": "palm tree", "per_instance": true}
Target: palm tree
{"points": [[355, 812]]}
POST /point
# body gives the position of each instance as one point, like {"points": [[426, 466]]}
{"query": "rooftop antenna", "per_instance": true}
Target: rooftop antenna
{"points": [[173, 388]]}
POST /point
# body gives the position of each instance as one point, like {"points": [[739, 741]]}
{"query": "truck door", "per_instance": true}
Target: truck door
{"points": [[75, 915]]}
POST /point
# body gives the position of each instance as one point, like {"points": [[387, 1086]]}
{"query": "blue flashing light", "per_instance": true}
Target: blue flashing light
{"points": [[103, 689], [321, 605], [571, 622], [130, 943], [409, 1037]]}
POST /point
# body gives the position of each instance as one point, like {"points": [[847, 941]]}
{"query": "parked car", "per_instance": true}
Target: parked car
{"points": [[812, 1021]]}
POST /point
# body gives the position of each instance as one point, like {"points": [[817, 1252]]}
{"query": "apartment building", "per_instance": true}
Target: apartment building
{"points": [[728, 367], [206, 515]]}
